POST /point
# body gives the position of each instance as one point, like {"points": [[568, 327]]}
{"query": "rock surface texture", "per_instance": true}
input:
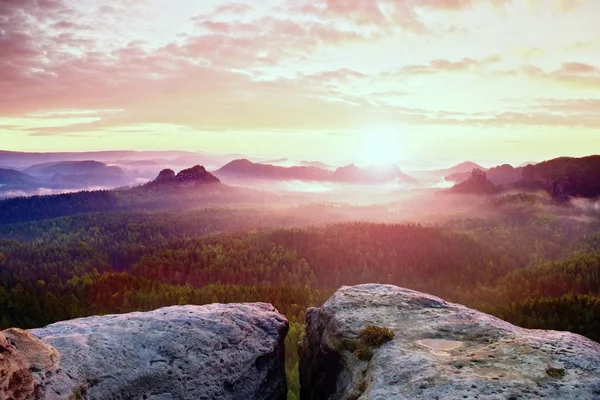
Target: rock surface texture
{"points": [[24, 362], [217, 351], [439, 350]]}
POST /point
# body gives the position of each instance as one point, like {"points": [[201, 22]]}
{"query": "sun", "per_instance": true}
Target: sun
{"points": [[379, 147]]}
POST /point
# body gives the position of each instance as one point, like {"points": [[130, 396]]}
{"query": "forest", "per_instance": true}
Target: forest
{"points": [[519, 257]]}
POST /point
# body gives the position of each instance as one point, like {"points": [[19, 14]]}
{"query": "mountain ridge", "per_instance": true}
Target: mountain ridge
{"points": [[244, 168]]}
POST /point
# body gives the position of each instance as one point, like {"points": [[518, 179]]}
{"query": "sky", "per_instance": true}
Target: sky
{"points": [[498, 80]]}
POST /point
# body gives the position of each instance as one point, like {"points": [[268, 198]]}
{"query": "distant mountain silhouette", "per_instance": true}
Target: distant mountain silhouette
{"points": [[501, 175], [457, 173], [168, 191], [526, 164], [467, 166], [478, 183], [197, 175], [244, 168], [565, 177], [372, 174], [73, 168], [78, 174], [11, 177], [21, 160]]}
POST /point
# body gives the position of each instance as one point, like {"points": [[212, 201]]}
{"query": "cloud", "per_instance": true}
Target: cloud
{"points": [[439, 66], [576, 68], [569, 73], [326, 65]]}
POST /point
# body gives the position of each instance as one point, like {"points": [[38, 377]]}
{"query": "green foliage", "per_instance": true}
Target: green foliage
{"points": [[376, 335], [556, 373]]}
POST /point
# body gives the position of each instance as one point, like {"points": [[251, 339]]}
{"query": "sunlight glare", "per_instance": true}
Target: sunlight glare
{"points": [[380, 147]]}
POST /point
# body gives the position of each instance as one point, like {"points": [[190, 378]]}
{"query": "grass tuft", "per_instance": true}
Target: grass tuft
{"points": [[376, 335]]}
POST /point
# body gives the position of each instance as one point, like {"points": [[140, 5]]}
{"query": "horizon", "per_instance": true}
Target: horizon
{"points": [[487, 81], [406, 165]]}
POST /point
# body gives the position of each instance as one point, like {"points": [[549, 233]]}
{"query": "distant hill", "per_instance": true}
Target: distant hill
{"points": [[351, 173], [372, 174], [244, 168], [478, 183], [73, 168], [457, 173], [466, 166], [78, 174], [565, 177], [14, 177], [501, 175], [20, 160]]}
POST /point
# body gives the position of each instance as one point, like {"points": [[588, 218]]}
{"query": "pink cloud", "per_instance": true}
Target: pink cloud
{"points": [[578, 68], [570, 73], [439, 66], [194, 80], [67, 25], [232, 8]]}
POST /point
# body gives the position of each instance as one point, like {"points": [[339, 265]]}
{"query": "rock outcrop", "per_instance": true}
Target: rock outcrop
{"points": [[477, 184], [197, 175], [217, 351], [166, 175], [418, 346]]}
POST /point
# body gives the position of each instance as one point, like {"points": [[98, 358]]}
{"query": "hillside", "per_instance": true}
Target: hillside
{"points": [[71, 168], [566, 176], [14, 178], [477, 183], [78, 174]]}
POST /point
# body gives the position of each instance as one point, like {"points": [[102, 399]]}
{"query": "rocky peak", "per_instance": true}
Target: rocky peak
{"points": [[383, 342], [187, 177], [166, 175], [196, 174]]}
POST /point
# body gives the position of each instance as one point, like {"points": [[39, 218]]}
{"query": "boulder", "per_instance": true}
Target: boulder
{"points": [[376, 342], [208, 352]]}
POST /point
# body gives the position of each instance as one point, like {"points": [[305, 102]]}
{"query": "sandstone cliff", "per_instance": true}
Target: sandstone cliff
{"points": [[217, 351], [376, 342]]}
